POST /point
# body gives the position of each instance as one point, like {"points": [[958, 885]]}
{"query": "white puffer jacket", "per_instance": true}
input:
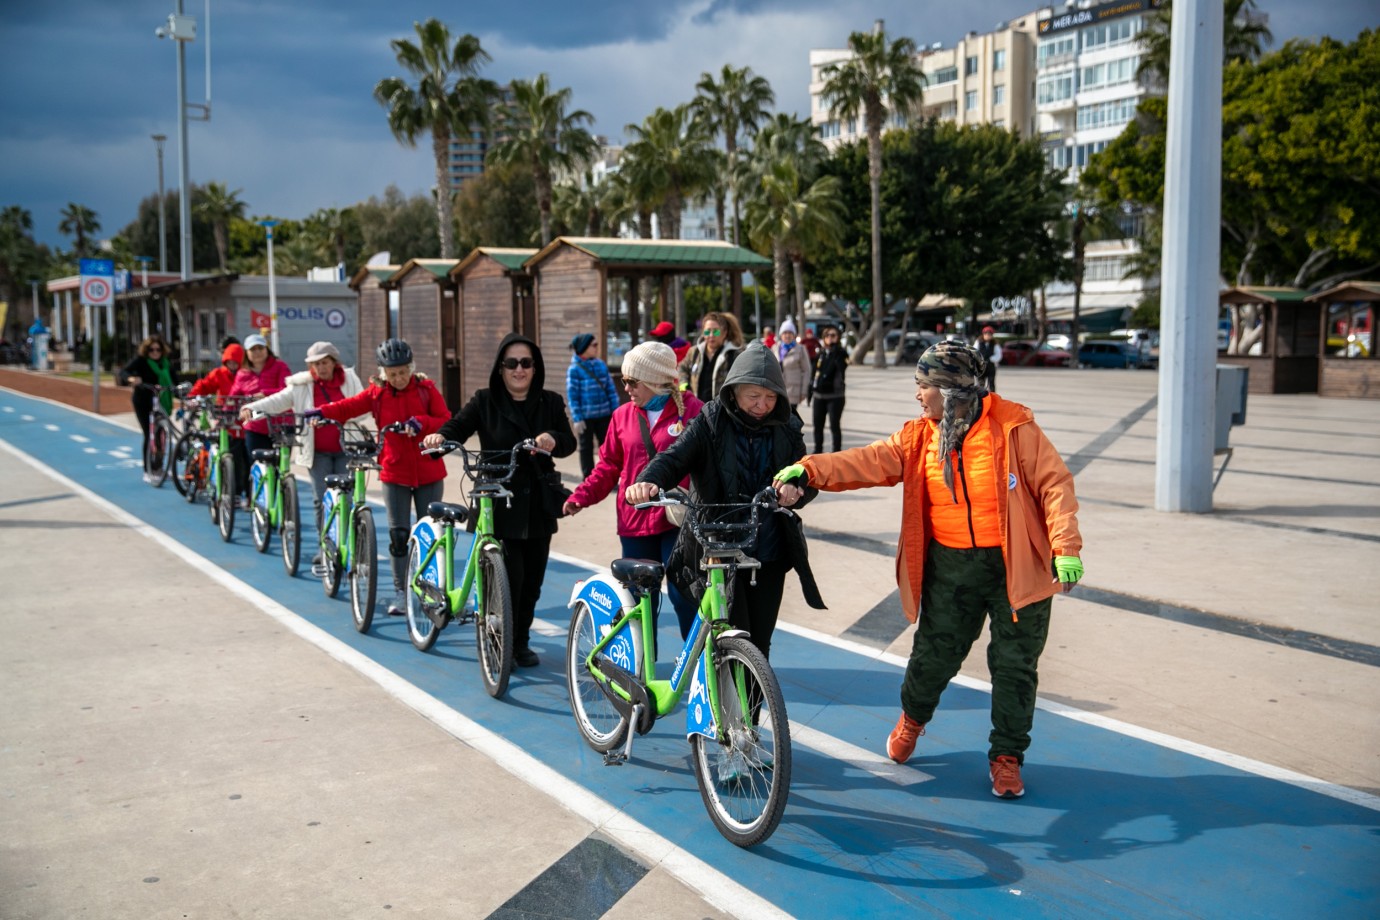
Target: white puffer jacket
{"points": [[297, 396]]}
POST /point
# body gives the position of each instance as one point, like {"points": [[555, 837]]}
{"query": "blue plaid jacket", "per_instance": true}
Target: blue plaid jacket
{"points": [[589, 389]]}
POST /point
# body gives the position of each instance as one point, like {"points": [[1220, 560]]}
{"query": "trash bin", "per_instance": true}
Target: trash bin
{"points": [[1231, 403]]}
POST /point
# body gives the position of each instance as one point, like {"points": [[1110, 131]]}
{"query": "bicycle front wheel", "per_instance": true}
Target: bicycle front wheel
{"points": [[364, 569], [158, 452], [260, 527], [225, 514], [745, 779], [493, 623], [289, 530], [180, 465], [602, 726], [420, 629]]}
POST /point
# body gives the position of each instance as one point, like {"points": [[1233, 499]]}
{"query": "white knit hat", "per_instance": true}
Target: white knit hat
{"points": [[653, 363], [787, 325]]}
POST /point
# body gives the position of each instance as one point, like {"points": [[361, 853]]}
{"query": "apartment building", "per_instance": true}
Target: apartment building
{"points": [[468, 150], [983, 78]]}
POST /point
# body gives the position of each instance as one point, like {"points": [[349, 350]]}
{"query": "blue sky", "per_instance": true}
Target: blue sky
{"points": [[294, 125]]}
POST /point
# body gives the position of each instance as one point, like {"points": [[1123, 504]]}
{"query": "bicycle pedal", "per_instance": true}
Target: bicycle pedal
{"points": [[615, 758], [318, 570]]}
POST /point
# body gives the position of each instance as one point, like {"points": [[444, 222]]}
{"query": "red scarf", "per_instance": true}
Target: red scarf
{"points": [[327, 391]]}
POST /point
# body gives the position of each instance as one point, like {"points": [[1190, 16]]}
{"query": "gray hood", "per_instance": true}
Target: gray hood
{"points": [[756, 365]]}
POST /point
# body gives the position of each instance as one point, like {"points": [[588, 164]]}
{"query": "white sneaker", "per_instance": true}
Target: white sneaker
{"points": [[397, 607], [757, 756], [732, 767]]}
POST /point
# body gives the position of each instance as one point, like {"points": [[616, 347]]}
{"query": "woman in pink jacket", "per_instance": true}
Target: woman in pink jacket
{"points": [[657, 413], [263, 374]]}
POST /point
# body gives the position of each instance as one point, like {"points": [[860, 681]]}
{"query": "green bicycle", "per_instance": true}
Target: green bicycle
{"points": [[189, 464], [483, 595], [349, 543], [273, 494], [736, 721], [221, 487]]}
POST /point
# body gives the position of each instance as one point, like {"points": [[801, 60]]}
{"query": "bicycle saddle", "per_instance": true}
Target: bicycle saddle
{"points": [[267, 456], [641, 574], [450, 513], [335, 481]]}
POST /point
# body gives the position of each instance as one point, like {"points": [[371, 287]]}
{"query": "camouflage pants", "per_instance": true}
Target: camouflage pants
{"points": [[962, 588]]}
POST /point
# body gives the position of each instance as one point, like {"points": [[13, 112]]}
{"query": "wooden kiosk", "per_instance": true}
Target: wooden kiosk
{"points": [[429, 320], [495, 299], [1282, 327], [1348, 366], [369, 287]]}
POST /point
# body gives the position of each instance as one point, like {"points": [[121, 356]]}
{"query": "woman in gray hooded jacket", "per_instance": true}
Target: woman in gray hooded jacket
{"points": [[729, 452]]}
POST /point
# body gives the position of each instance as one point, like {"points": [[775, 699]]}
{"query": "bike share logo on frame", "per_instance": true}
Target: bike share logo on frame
{"points": [[425, 536]]}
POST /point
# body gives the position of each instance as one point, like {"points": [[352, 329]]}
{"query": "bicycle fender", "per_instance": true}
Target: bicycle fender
{"points": [[426, 532], [699, 716], [328, 501], [606, 598]]}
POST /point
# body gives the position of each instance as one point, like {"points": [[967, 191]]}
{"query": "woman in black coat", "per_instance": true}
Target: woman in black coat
{"points": [[516, 407], [151, 365], [731, 451]]}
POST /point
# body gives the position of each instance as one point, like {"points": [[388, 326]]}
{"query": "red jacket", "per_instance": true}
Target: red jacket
{"points": [[218, 382], [402, 459]]}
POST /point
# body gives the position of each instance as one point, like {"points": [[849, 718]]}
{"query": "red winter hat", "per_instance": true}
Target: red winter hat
{"points": [[663, 328], [234, 353], [988, 329]]}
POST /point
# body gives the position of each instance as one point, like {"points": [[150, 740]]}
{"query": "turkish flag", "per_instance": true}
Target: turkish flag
{"points": [[259, 320]]}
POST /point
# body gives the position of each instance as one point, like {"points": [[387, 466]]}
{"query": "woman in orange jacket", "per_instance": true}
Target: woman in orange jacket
{"points": [[989, 527]]}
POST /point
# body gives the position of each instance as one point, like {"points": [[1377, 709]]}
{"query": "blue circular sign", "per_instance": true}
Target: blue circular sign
{"points": [[335, 319]]}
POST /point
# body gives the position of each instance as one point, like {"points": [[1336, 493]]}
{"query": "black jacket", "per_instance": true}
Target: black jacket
{"points": [[501, 422], [712, 452], [830, 366], [142, 397]]}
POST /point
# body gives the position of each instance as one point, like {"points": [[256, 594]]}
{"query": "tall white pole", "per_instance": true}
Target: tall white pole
{"points": [[272, 288], [183, 158], [1191, 272], [158, 139]]}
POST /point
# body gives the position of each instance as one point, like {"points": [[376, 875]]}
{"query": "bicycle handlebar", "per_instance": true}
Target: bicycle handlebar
{"points": [[485, 466], [721, 536]]}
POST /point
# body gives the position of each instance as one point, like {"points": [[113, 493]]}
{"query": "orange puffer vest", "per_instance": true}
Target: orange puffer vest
{"points": [[970, 515]]}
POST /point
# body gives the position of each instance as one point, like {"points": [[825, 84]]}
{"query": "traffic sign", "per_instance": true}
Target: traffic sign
{"points": [[97, 282]]}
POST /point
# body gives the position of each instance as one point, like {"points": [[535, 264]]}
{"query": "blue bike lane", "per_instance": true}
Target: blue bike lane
{"points": [[1114, 825]]}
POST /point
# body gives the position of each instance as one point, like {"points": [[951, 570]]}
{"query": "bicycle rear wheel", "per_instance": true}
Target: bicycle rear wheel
{"points": [[420, 629], [364, 569], [158, 451], [493, 622], [289, 530], [745, 781], [227, 497], [602, 726]]}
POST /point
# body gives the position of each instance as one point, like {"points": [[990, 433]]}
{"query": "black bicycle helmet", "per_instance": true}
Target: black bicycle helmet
{"points": [[394, 353]]}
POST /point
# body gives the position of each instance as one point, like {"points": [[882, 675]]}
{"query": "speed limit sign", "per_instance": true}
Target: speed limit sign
{"points": [[97, 282]]}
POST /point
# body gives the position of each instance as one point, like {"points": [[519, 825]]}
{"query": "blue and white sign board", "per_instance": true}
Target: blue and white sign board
{"points": [[97, 282]]}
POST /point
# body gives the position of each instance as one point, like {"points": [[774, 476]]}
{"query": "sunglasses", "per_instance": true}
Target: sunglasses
{"points": [[513, 364], [714, 332], [629, 382]]}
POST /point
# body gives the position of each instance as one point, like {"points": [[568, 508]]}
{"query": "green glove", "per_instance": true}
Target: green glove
{"points": [[1068, 568], [794, 471]]}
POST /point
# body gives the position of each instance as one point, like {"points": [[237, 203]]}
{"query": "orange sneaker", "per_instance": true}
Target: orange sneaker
{"points": [[900, 744], [1006, 778]]}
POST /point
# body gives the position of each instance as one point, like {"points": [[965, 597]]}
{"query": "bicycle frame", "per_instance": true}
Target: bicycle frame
{"points": [[336, 513], [437, 565], [265, 480]]}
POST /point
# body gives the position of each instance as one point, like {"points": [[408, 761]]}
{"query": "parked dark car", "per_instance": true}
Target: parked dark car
{"points": [[1112, 354], [1034, 354]]}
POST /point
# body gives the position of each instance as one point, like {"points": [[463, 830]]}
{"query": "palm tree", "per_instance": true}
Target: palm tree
{"points": [[449, 99], [672, 147], [18, 253], [793, 220], [879, 75], [80, 223], [217, 205], [784, 138], [332, 225], [734, 104], [1245, 36], [546, 138]]}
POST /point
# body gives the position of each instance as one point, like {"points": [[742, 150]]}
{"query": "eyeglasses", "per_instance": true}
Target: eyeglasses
{"points": [[714, 332], [512, 364]]}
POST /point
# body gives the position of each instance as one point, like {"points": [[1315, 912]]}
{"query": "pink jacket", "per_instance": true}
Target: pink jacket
{"points": [[623, 456], [265, 383]]}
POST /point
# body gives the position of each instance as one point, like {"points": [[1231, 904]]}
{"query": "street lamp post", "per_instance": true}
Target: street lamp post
{"points": [[268, 226], [158, 139]]}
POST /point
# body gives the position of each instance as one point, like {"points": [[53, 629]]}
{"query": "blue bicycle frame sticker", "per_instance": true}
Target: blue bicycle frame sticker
{"points": [[605, 599], [699, 716], [425, 532], [256, 475], [328, 501]]}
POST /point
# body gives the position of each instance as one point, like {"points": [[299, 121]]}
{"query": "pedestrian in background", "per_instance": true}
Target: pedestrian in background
{"points": [[827, 386], [151, 365], [705, 367], [591, 395], [795, 365], [990, 349], [989, 529]]}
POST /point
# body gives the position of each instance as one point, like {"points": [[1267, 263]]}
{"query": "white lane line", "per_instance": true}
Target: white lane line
{"points": [[718, 889], [26, 418], [121, 454], [80, 439], [9, 408], [51, 427], [90, 450]]}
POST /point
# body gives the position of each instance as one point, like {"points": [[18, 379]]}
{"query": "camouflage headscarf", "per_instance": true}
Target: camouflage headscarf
{"points": [[956, 369]]}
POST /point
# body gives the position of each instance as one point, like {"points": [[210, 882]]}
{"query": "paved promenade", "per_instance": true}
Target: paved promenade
{"points": [[176, 744]]}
